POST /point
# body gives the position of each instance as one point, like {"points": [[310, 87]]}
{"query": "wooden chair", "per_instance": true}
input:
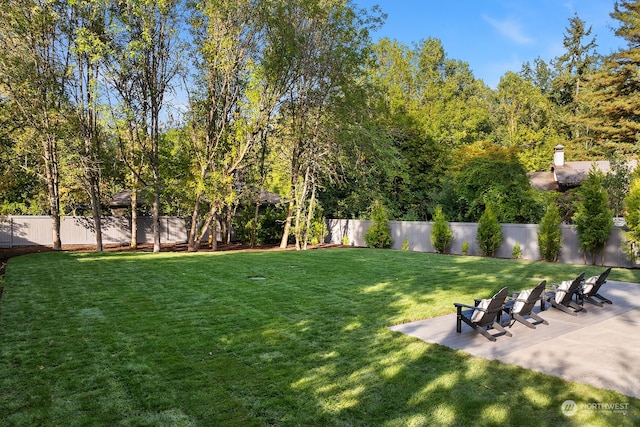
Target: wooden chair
{"points": [[521, 306], [485, 315], [561, 296]]}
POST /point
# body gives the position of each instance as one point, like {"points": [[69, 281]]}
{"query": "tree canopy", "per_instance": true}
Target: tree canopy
{"points": [[485, 175], [199, 109]]}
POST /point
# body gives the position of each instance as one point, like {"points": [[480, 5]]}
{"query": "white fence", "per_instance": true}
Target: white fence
{"points": [[418, 236], [36, 230]]}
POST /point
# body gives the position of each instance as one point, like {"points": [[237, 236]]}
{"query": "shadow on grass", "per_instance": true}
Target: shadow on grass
{"points": [[152, 339]]}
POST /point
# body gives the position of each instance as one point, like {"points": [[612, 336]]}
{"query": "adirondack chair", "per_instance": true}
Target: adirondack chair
{"points": [[589, 290], [561, 297], [521, 306], [484, 315]]}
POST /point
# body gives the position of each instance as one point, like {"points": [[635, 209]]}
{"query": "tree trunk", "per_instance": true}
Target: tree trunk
{"points": [[93, 179], [193, 230], [263, 177], [205, 227], [310, 213], [254, 228], [292, 194], [214, 233], [156, 218], [97, 217], [287, 224], [52, 174], [299, 210], [231, 211], [134, 216]]}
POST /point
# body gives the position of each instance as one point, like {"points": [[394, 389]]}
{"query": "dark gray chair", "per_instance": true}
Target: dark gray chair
{"points": [[590, 288], [521, 306], [561, 296], [484, 315]]}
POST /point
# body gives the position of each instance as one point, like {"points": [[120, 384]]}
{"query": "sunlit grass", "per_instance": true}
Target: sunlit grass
{"points": [[196, 339]]}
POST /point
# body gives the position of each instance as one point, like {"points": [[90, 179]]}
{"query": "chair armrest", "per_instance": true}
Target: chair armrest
{"points": [[515, 297], [551, 289], [459, 305]]}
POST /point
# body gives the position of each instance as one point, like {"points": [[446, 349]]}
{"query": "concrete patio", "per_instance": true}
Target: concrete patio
{"points": [[600, 347]]}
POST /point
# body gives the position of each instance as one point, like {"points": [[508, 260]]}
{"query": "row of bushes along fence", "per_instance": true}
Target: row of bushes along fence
{"points": [[418, 237]]}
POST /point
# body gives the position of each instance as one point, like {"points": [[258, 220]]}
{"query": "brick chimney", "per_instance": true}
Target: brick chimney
{"points": [[558, 156]]}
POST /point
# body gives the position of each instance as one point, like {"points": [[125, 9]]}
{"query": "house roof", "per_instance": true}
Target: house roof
{"points": [[123, 200], [269, 198], [543, 181], [571, 174]]}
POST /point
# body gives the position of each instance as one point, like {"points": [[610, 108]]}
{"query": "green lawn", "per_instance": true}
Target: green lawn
{"points": [[266, 338]]}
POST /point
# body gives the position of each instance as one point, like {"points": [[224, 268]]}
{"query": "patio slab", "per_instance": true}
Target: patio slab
{"points": [[600, 347]]}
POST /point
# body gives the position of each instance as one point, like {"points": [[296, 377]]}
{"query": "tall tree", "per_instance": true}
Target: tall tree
{"points": [[524, 119], [240, 80], [144, 65], [611, 96], [571, 71], [86, 29], [575, 63], [429, 105], [34, 55], [327, 50], [539, 75]]}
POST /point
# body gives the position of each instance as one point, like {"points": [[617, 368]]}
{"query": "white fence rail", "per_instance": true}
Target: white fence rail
{"points": [[36, 230], [418, 235]]}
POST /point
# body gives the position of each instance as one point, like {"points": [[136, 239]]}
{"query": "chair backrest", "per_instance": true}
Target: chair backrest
{"points": [[592, 285], [527, 299], [563, 296], [491, 308]]}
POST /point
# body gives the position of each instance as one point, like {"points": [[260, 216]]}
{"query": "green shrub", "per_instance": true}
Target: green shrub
{"points": [[631, 241], [441, 235], [489, 233], [517, 251], [593, 218], [465, 247], [319, 231], [549, 234], [405, 244], [379, 233]]}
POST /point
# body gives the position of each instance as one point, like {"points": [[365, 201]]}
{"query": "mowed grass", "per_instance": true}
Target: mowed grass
{"points": [[266, 338]]}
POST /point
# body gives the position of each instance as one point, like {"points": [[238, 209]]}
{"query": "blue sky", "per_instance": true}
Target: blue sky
{"points": [[495, 36]]}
